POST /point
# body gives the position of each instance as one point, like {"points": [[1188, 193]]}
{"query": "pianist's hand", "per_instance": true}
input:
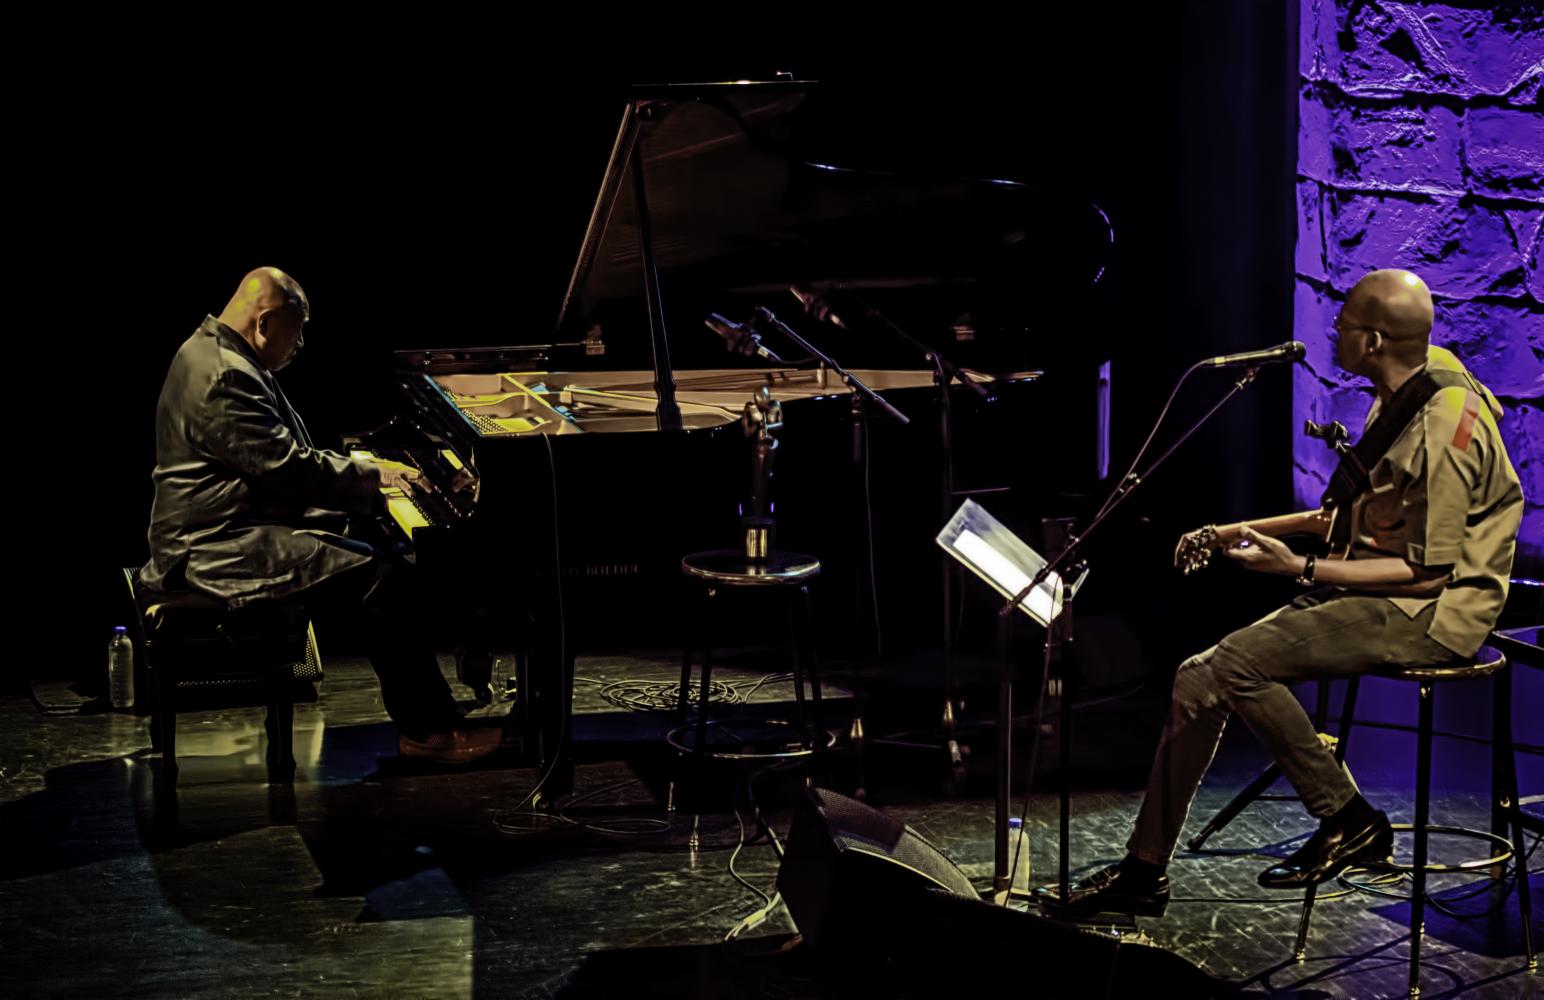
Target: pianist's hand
{"points": [[395, 474], [462, 482]]}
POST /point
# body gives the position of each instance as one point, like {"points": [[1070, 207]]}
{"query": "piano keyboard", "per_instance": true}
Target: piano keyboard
{"points": [[405, 511], [420, 504]]}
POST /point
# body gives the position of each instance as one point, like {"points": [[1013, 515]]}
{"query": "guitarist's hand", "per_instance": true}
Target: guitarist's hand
{"points": [[1263, 553]]}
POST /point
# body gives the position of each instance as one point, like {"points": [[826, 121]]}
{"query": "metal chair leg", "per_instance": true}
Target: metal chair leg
{"points": [[1502, 738], [1422, 816]]}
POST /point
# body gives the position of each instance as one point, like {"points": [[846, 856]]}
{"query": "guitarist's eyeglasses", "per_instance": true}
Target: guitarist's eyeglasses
{"points": [[1341, 331]]}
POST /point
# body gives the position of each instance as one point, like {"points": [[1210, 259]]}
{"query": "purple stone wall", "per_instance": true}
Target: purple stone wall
{"points": [[1421, 145]]}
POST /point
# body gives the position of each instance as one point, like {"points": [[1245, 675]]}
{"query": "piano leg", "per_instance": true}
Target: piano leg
{"points": [[558, 751], [546, 700]]}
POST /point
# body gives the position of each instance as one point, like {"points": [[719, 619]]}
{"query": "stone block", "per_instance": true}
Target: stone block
{"points": [[1387, 49], [1505, 152], [1501, 342], [1461, 248], [1310, 236]]}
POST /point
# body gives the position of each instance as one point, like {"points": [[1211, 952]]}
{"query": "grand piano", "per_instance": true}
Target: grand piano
{"points": [[566, 479]]}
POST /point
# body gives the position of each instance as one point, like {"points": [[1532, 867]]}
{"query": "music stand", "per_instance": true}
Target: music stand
{"points": [[991, 551]]}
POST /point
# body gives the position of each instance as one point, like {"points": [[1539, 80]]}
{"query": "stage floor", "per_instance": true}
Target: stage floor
{"points": [[371, 878]]}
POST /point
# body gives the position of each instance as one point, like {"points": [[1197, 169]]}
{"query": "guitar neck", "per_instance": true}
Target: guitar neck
{"points": [[1308, 522]]}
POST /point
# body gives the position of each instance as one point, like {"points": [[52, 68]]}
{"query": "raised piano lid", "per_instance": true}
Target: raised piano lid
{"points": [[740, 194]]}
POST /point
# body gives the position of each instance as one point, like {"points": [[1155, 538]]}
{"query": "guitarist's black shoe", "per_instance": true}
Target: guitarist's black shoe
{"points": [[1330, 851]]}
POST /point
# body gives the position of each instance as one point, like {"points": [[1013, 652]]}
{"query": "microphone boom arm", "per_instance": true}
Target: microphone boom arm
{"points": [[853, 382], [812, 304], [1122, 490]]}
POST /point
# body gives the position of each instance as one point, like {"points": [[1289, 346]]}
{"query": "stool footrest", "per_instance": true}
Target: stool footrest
{"points": [[677, 740], [1502, 843]]}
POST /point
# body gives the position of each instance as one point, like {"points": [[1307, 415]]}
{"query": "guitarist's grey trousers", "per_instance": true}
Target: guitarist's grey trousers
{"points": [[1321, 634]]}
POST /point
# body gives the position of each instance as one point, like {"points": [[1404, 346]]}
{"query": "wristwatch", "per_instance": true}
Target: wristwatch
{"points": [[1306, 576]]}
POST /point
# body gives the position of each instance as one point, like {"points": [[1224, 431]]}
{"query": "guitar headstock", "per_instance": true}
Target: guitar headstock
{"points": [[1195, 549]]}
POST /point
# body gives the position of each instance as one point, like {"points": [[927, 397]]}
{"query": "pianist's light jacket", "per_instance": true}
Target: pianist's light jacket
{"points": [[239, 487]]}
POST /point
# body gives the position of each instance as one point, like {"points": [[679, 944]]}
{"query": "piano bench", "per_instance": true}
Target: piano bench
{"points": [[189, 640]]}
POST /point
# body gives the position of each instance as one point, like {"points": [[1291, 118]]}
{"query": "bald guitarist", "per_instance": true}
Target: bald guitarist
{"points": [[1427, 517]]}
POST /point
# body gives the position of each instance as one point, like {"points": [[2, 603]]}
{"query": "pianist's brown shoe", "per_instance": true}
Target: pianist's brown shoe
{"points": [[458, 746]]}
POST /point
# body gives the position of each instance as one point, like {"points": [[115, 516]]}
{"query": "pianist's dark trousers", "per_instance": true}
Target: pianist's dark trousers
{"points": [[1322, 634], [396, 613]]}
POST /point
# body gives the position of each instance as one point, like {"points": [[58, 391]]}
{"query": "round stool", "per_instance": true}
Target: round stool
{"points": [[1487, 663], [789, 572]]}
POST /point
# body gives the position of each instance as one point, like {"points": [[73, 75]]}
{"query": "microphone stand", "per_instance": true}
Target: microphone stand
{"points": [[1002, 878], [944, 373], [859, 392]]}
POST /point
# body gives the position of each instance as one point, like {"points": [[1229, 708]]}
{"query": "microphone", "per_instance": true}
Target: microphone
{"points": [[741, 339], [1292, 350], [817, 305]]}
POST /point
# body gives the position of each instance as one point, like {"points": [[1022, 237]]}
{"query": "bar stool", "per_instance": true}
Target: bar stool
{"points": [[1491, 663], [1522, 647], [729, 569]]}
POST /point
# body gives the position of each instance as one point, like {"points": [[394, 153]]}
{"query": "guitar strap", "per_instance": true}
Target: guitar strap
{"points": [[1351, 477]]}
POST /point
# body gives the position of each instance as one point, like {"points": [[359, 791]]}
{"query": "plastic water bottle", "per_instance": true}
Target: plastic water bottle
{"points": [[1018, 848], [120, 669]]}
